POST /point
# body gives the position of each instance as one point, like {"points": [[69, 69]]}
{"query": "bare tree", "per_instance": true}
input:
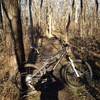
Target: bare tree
{"points": [[12, 11], [1, 22]]}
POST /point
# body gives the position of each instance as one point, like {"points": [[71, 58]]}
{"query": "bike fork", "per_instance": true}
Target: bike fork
{"points": [[73, 66]]}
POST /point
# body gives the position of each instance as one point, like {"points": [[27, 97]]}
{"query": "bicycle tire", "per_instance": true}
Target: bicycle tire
{"points": [[29, 91], [83, 68], [24, 74]]}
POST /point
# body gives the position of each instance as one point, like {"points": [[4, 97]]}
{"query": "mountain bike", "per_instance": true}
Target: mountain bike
{"points": [[75, 72]]}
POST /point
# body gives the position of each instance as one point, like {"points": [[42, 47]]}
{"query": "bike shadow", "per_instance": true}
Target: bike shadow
{"points": [[49, 85], [95, 69], [94, 89], [94, 92]]}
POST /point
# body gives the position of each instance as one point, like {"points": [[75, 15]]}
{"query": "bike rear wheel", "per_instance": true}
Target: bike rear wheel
{"points": [[84, 70], [28, 78]]}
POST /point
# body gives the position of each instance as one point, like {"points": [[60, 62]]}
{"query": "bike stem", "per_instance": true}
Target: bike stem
{"points": [[73, 66]]}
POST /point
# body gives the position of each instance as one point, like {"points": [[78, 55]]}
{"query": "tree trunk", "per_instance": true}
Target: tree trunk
{"points": [[1, 22], [12, 10]]}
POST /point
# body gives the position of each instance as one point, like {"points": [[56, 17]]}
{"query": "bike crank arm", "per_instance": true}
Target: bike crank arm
{"points": [[73, 66]]}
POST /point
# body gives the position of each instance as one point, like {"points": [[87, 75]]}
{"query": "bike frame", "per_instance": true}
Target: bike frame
{"points": [[42, 71], [46, 65]]}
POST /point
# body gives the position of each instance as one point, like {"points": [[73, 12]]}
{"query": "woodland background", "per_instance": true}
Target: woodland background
{"points": [[25, 22]]}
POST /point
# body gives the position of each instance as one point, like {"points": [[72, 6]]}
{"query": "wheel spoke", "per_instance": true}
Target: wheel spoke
{"points": [[83, 69]]}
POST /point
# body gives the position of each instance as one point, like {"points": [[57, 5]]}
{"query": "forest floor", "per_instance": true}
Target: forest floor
{"points": [[57, 90], [8, 91]]}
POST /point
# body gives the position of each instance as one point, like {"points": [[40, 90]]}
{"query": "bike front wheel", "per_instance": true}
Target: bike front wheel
{"points": [[84, 70]]}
